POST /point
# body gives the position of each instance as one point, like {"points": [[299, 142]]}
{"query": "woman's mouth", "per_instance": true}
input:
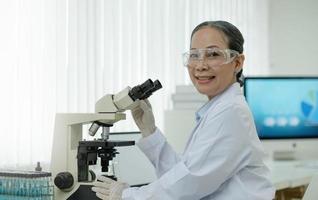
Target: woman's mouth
{"points": [[204, 79]]}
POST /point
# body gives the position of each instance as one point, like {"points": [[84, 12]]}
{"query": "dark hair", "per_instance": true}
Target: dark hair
{"points": [[233, 35]]}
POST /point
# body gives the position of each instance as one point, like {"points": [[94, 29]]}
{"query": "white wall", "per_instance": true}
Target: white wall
{"points": [[293, 37]]}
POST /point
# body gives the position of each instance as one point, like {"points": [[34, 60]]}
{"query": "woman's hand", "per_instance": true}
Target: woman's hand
{"points": [[144, 117], [109, 189]]}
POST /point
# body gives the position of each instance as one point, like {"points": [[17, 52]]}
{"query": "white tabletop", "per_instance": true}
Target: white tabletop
{"points": [[289, 174]]}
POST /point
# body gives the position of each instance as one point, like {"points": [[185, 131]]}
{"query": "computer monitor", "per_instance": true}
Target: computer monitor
{"points": [[283, 107]]}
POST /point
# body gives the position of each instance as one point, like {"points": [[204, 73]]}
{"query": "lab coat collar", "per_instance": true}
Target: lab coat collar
{"points": [[230, 91]]}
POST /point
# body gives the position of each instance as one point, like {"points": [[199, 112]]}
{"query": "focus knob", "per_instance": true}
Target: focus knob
{"points": [[64, 180]]}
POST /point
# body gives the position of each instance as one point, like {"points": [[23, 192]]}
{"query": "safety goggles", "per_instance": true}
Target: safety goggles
{"points": [[213, 57]]}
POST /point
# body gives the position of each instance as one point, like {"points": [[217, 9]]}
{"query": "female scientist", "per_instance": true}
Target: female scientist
{"points": [[223, 158]]}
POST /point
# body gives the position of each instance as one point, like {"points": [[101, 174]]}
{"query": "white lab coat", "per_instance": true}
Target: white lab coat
{"points": [[223, 159]]}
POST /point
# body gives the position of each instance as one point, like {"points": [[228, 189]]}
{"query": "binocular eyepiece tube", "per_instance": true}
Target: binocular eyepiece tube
{"points": [[144, 90]]}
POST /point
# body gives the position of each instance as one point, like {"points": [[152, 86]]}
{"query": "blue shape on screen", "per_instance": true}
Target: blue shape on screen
{"points": [[306, 108], [313, 117]]}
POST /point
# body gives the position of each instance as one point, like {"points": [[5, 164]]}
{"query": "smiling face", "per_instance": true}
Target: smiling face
{"points": [[207, 80]]}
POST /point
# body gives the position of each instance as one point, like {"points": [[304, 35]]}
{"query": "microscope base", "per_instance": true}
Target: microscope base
{"points": [[84, 192]]}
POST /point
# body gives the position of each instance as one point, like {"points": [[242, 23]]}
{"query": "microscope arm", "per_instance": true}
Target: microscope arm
{"points": [[115, 103]]}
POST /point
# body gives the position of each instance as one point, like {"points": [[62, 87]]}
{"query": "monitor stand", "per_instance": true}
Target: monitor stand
{"points": [[284, 155]]}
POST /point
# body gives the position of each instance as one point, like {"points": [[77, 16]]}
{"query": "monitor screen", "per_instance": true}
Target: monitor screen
{"points": [[283, 107]]}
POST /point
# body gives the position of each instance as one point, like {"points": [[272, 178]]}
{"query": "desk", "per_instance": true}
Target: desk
{"points": [[287, 175]]}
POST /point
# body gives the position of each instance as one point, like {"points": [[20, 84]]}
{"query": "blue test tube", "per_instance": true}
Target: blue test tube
{"points": [[1, 186], [8, 187]]}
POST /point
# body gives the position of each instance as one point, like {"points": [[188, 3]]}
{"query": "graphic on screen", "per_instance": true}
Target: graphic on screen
{"points": [[283, 107], [309, 107]]}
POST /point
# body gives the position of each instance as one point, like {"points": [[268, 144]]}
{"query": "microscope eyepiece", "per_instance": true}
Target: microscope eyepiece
{"points": [[157, 85], [144, 90]]}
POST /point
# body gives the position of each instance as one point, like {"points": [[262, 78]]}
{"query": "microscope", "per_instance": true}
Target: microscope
{"points": [[72, 156]]}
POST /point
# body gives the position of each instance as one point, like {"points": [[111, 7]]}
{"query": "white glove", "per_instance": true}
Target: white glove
{"points": [[109, 189], [144, 118]]}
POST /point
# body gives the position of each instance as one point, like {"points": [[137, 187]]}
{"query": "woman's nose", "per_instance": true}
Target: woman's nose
{"points": [[202, 65]]}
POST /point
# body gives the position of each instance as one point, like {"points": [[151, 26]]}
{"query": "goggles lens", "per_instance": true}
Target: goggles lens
{"points": [[213, 57]]}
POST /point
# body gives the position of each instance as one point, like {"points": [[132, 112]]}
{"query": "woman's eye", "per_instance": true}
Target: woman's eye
{"points": [[212, 54], [194, 55]]}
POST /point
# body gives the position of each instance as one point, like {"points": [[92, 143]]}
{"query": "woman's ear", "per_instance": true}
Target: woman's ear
{"points": [[239, 61]]}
